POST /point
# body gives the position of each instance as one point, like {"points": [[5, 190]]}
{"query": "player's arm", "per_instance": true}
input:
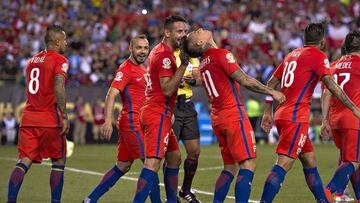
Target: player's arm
{"points": [[170, 84], [195, 79], [254, 85], [109, 109], [325, 107], [335, 90], [267, 119], [60, 96]]}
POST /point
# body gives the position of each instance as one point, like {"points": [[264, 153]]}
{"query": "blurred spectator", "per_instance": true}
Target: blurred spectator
{"points": [[80, 122], [99, 31], [254, 112], [99, 119], [8, 129]]}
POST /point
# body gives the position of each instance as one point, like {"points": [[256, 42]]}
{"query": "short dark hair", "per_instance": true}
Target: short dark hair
{"points": [[169, 21], [50, 32], [352, 41], [190, 48], [142, 36], [314, 33], [343, 49]]}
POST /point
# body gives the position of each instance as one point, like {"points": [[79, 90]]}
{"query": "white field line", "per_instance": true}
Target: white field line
{"points": [[75, 170]]}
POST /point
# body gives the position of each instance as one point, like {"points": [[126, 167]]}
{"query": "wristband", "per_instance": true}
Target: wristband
{"points": [[269, 100]]}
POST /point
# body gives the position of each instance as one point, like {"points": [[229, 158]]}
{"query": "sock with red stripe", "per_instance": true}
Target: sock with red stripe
{"points": [[222, 186], [56, 182], [15, 181], [243, 185]]}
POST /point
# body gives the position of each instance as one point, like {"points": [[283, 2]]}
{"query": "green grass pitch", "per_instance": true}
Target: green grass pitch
{"points": [[89, 162]]}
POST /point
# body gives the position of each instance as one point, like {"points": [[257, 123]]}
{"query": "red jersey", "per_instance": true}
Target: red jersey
{"points": [[216, 66], [162, 63], [41, 109], [347, 75], [129, 80], [299, 73]]}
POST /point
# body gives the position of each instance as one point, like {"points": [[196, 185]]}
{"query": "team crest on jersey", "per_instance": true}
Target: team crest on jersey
{"points": [[166, 63], [64, 67], [230, 58], [118, 76], [326, 63]]}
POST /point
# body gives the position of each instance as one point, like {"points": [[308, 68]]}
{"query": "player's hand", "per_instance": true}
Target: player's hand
{"points": [[325, 130], [279, 96], [182, 83], [267, 122], [107, 130], [356, 112], [184, 57], [65, 126]]}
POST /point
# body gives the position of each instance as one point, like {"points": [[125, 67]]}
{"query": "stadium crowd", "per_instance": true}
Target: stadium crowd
{"points": [[99, 31]]}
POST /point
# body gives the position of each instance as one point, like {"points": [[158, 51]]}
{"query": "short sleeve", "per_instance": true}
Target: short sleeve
{"points": [[228, 62], [122, 77], [62, 66], [166, 64], [322, 66], [279, 70]]}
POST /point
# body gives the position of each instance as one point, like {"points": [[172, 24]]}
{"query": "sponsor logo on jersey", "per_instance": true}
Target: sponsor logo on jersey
{"points": [[230, 58], [326, 63], [65, 67], [166, 63], [118, 76]]}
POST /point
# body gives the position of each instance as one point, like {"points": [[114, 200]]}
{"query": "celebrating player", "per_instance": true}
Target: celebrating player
{"points": [[298, 74], [343, 124], [155, 119], [221, 76], [44, 123], [129, 82]]}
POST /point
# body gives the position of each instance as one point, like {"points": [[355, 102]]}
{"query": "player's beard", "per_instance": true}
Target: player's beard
{"points": [[139, 59]]}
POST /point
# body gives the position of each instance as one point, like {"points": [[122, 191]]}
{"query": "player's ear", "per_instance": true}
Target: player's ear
{"points": [[167, 33]]}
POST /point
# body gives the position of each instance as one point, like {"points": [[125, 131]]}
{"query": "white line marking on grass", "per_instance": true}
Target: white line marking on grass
{"points": [[76, 170]]}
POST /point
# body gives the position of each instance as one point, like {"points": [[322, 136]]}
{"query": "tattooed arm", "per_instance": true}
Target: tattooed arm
{"points": [[340, 94], [60, 96], [252, 84]]}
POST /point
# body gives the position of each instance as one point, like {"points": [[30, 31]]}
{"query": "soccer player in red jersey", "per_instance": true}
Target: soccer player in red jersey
{"points": [[129, 82], [155, 116], [343, 124], [298, 74], [44, 123], [222, 77]]}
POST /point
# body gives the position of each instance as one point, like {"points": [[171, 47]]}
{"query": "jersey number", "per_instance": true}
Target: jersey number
{"points": [[34, 83], [346, 79], [209, 83], [288, 74]]}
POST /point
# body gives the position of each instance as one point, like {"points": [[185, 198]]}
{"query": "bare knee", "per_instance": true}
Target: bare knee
{"points": [[173, 159], [124, 166], [249, 164], [285, 162], [308, 160], [193, 153], [26, 161], [152, 164], [58, 161], [232, 168]]}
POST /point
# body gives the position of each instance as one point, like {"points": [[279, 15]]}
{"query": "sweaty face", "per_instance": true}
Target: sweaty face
{"points": [[196, 41], [140, 50], [178, 34]]}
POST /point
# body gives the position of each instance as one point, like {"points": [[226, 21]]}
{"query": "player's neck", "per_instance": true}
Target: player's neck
{"points": [[209, 45], [53, 48], [168, 43]]}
